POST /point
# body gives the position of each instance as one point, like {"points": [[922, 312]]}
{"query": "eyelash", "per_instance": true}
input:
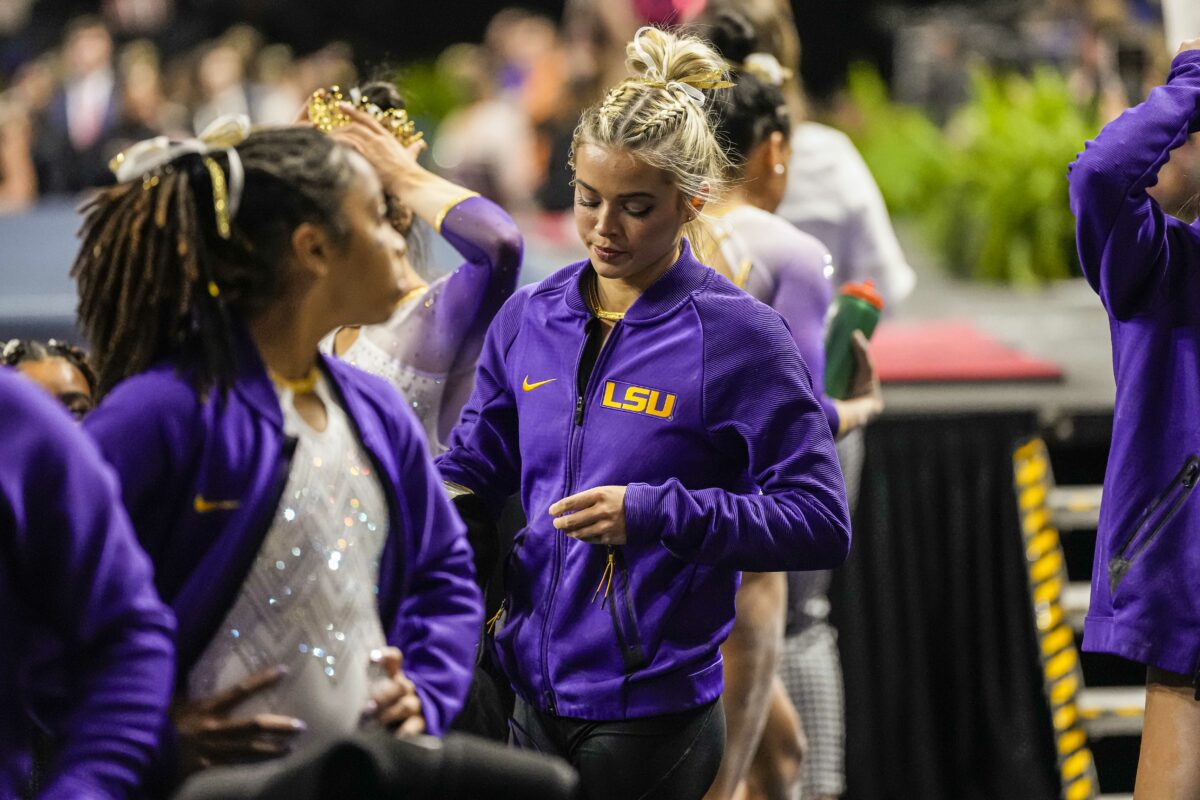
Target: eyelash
{"points": [[636, 214]]}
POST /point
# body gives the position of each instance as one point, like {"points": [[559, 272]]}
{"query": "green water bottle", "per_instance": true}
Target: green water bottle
{"points": [[857, 308]]}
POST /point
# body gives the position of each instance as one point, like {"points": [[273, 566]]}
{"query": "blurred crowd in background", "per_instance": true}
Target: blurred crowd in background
{"points": [[499, 112]]}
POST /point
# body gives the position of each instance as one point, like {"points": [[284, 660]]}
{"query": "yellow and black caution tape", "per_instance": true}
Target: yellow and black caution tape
{"points": [[1060, 658]]}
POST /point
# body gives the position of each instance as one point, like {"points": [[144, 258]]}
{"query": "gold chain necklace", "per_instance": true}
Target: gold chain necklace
{"points": [[594, 302], [304, 385]]}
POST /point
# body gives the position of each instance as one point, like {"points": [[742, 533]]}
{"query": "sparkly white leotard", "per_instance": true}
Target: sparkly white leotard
{"points": [[309, 600], [375, 351]]}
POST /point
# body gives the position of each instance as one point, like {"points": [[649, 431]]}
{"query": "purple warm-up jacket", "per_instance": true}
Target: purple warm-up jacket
{"points": [[202, 480], [700, 403], [1145, 265], [85, 643]]}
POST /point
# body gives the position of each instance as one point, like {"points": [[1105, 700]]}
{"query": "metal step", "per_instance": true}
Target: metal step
{"points": [[1075, 508], [1075, 600], [1108, 711]]}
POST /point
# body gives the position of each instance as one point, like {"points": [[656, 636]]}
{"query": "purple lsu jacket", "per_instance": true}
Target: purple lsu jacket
{"points": [[702, 405], [85, 643], [202, 481], [1145, 265]]}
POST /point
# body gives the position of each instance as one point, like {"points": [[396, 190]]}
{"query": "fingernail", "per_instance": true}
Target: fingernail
{"points": [[376, 656], [282, 669], [299, 725], [370, 708]]}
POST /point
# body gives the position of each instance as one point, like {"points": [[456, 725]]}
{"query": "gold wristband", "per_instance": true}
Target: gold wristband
{"points": [[441, 217]]}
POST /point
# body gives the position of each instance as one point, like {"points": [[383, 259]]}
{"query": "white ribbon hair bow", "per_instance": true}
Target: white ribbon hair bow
{"points": [[767, 68], [223, 135], [690, 87]]}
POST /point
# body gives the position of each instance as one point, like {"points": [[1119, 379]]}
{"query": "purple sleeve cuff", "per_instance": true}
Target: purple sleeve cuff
{"points": [[642, 521], [645, 521]]}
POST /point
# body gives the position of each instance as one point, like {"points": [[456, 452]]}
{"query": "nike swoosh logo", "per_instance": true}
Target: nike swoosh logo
{"points": [[204, 506], [529, 387]]}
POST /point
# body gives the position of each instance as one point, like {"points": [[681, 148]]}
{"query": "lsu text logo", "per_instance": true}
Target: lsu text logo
{"points": [[638, 400]]}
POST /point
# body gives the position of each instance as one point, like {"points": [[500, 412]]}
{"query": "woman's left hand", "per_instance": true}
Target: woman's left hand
{"points": [[393, 162], [595, 516], [394, 701]]}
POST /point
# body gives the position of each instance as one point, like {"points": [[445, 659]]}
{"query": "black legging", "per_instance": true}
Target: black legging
{"points": [[668, 757]]}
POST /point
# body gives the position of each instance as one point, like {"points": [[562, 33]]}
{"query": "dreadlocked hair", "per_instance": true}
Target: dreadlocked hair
{"points": [[156, 279], [652, 116]]}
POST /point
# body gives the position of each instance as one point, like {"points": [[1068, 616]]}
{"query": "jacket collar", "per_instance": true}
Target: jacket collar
{"points": [[253, 382], [680, 280]]}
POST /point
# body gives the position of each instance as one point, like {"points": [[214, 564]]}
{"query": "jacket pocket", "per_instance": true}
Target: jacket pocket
{"points": [[501, 616], [624, 618], [1154, 519]]}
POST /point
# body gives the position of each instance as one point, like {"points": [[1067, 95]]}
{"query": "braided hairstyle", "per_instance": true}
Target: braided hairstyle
{"points": [[652, 116], [748, 113], [156, 279], [19, 351]]}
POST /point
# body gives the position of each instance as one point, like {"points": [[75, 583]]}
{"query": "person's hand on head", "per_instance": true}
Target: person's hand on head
{"points": [[391, 159]]}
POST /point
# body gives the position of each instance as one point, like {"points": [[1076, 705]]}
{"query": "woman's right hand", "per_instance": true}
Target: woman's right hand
{"points": [[865, 401], [395, 163], [209, 736], [1191, 44]]}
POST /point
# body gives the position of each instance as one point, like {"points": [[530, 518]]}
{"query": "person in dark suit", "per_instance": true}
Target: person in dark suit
{"points": [[71, 151]]}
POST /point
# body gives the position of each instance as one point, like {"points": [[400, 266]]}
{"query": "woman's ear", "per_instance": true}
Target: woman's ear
{"points": [[310, 250], [777, 152], [697, 201]]}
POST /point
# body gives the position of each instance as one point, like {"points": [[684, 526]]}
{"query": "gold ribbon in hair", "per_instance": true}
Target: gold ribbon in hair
{"points": [[691, 86], [223, 135]]}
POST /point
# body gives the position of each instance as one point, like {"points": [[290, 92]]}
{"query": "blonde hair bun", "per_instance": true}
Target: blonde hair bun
{"points": [[661, 56]]}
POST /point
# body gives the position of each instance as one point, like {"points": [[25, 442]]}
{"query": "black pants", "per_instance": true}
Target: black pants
{"points": [[669, 757]]}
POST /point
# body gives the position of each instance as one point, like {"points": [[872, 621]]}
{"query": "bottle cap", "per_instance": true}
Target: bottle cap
{"points": [[864, 291]]}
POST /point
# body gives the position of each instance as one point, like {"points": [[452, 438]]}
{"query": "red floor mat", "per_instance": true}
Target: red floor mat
{"points": [[951, 352]]}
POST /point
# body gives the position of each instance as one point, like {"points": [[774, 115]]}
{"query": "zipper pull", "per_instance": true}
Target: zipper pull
{"points": [[1191, 472], [605, 578], [491, 623], [579, 410]]}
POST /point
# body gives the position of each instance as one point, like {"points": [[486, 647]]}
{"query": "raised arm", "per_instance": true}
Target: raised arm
{"points": [[1130, 250], [488, 239], [445, 333]]}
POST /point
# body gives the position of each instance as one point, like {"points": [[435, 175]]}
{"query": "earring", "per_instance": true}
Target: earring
{"points": [[780, 168]]}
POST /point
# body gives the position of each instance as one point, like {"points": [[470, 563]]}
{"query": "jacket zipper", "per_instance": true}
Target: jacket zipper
{"points": [[1173, 497], [559, 543], [632, 654]]}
